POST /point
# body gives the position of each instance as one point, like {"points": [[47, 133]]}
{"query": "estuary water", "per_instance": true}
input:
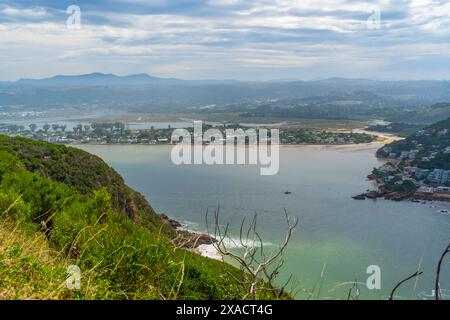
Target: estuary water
{"points": [[337, 237]]}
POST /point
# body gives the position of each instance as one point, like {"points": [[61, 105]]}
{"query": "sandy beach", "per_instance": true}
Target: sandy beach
{"points": [[208, 251]]}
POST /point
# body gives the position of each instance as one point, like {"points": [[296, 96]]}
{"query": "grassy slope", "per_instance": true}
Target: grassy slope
{"points": [[60, 206], [29, 269], [79, 169]]}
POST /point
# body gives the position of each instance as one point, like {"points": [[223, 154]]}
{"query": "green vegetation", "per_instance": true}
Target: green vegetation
{"points": [[398, 128], [309, 136], [79, 169], [60, 206], [421, 169], [428, 148], [116, 133], [422, 115]]}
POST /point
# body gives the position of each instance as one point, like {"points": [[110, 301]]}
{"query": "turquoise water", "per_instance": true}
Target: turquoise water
{"points": [[338, 237]]}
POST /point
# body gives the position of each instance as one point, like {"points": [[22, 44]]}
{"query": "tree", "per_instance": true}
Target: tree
{"points": [[259, 268], [55, 127], [78, 129], [46, 127], [87, 127], [119, 126], [33, 127], [63, 128]]}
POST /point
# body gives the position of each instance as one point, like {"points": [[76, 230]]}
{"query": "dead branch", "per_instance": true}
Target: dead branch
{"points": [[355, 287], [438, 274], [259, 270], [416, 274]]}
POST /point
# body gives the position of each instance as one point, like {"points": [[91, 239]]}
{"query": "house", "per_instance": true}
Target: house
{"points": [[439, 176], [413, 154], [423, 173], [163, 140], [426, 189], [386, 168], [411, 170], [442, 189], [420, 133], [430, 131], [404, 155], [392, 155], [436, 176]]}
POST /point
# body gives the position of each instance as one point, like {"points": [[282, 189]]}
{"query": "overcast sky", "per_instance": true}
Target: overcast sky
{"points": [[228, 39]]}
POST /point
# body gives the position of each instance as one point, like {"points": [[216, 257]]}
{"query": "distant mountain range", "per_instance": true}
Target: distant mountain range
{"points": [[146, 93], [331, 84], [95, 79]]}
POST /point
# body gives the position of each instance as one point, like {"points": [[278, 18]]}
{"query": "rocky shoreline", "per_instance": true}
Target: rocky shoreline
{"points": [[197, 242], [415, 196], [395, 196], [401, 196]]}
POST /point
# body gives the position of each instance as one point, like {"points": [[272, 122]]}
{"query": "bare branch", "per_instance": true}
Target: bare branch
{"points": [[259, 272], [416, 274], [438, 274]]}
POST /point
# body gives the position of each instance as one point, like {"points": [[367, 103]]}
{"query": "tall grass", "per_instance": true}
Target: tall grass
{"points": [[118, 258], [46, 226]]}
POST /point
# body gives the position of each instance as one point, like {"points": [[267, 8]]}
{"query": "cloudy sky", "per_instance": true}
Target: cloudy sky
{"points": [[228, 39]]}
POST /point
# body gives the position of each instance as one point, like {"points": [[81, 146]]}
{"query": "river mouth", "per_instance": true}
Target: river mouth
{"points": [[338, 238]]}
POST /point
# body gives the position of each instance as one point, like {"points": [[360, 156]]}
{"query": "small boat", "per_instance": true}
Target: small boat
{"points": [[287, 192], [443, 211]]}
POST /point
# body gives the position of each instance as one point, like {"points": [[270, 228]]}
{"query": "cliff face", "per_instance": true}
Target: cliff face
{"points": [[79, 169]]}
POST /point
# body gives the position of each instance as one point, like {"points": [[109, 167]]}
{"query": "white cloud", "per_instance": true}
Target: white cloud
{"points": [[266, 37], [35, 12], [225, 3]]}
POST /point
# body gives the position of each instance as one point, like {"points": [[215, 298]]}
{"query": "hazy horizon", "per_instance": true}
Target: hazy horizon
{"points": [[228, 79], [261, 40]]}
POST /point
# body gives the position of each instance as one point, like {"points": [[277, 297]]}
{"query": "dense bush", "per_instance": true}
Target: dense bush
{"points": [[120, 258]]}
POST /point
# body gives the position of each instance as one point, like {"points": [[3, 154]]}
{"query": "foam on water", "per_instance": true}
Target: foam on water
{"points": [[431, 295]]}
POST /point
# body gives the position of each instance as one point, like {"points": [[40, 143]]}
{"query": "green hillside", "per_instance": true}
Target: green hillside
{"points": [[428, 148], [60, 206], [79, 169]]}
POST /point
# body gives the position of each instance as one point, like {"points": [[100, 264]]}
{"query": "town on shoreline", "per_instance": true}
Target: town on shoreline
{"points": [[417, 168], [119, 133]]}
